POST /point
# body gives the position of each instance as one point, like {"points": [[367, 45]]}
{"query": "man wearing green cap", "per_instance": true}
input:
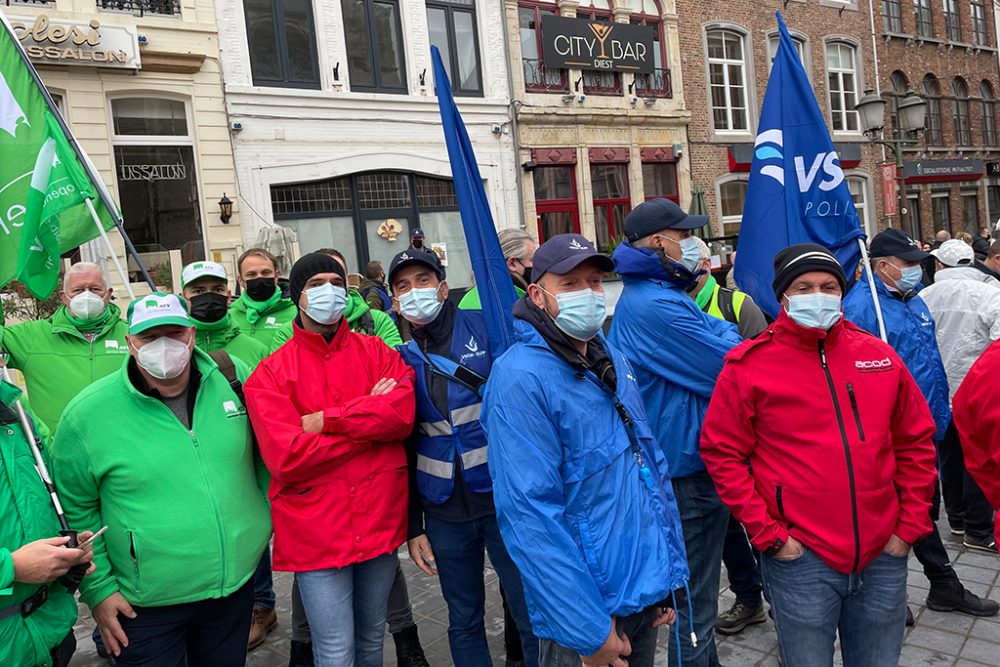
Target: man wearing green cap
{"points": [[83, 341], [206, 289], [260, 311], [161, 453]]}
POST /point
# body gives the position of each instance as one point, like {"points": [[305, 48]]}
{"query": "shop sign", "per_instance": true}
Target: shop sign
{"points": [[569, 43], [152, 172], [993, 168], [888, 170], [931, 171], [66, 42]]}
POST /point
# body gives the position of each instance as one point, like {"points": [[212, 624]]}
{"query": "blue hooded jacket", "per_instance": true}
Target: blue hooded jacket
{"points": [[675, 349], [910, 328], [590, 538]]}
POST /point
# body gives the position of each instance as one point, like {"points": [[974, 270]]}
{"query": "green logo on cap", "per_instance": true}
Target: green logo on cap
{"points": [[198, 266], [152, 303]]}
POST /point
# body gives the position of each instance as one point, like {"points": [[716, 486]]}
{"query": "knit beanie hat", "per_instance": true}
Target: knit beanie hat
{"points": [[795, 260], [307, 267]]}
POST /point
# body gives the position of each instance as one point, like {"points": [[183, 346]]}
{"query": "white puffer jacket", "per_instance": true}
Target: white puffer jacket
{"points": [[965, 304]]}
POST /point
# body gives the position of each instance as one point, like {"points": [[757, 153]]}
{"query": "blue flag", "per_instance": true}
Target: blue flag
{"points": [[797, 192], [496, 289]]}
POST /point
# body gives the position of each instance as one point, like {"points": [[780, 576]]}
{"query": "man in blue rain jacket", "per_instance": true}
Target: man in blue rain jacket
{"points": [[677, 352], [581, 490]]}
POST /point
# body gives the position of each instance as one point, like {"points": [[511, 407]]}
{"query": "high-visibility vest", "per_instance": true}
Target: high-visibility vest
{"points": [[725, 304]]}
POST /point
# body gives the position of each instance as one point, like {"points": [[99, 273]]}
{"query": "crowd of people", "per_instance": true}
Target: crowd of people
{"points": [[316, 423]]}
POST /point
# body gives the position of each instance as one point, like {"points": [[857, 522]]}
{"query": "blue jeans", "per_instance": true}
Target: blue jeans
{"points": [[741, 566], [459, 551], [812, 602], [346, 611], [704, 519], [263, 586], [637, 627]]}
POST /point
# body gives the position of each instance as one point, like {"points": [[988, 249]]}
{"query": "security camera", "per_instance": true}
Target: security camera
{"points": [[142, 39], [529, 166], [580, 98], [634, 99], [236, 126], [497, 129]]}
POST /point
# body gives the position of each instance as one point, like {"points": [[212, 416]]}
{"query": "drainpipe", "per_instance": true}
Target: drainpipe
{"points": [[513, 107]]}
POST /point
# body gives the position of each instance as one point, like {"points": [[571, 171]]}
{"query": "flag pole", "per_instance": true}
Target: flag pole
{"points": [[866, 260], [85, 161], [111, 250]]}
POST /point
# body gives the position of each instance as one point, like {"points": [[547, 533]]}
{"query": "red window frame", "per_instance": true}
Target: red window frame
{"points": [[674, 198], [537, 6], [608, 205], [596, 82], [657, 84], [571, 206]]}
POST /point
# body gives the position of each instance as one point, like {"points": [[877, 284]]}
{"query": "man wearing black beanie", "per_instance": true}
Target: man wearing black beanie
{"points": [[820, 442], [331, 409]]}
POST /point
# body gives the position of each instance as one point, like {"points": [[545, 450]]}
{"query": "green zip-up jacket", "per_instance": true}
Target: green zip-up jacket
{"points": [[271, 320], [186, 514], [224, 335], [58, 361], [355, 312], [26, 515]]}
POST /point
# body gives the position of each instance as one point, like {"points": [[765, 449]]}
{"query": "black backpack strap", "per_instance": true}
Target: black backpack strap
{"points": [[367, 324], [725, 303], [228, 369]]}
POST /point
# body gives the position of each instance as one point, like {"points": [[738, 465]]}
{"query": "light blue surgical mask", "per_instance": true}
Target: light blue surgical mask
{"points": [[910, 278], [581, 313], [814, 311], [690, 252], [326, 303], [421, 305]]}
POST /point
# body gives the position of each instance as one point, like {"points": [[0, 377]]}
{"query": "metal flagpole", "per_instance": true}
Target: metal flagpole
{"points": [[871, 283], [84, 160], [114, 255]]}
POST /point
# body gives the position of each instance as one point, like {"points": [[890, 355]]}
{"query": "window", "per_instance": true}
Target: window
{"points": [[281, 38], [727, 78], [932, 93], [963, 135], [899, 88], [555, 201], [952, 24], [858, 186], [989, 113], [941, 207], [537, 78], [891, 16], [913, 210], [842, 73], [452, 27], [157, 179], [992, 203], [657, 84], [609, 183], [800, 48], [732, 196], [980, 33], [375, 53], [970, 212], [659, 179], [923, 17], [599, 82]]}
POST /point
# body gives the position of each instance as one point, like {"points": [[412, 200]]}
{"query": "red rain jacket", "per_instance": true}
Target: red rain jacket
{"points": [[976, 410], [823, 436], [338, 497]]}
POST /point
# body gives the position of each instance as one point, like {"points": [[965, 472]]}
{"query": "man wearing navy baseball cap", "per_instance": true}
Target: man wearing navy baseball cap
{"points": [[677, 352], [581, 490]]}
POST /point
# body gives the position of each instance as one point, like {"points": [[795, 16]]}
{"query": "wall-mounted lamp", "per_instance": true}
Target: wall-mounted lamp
{"points": [[631, 86], [576, 86], [423, 76], [336, 72], [225, 209]]}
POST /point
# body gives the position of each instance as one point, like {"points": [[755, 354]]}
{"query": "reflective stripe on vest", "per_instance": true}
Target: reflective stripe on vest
{"points": [[435, 428], [435, 468], [469, 413], [476, 457]]}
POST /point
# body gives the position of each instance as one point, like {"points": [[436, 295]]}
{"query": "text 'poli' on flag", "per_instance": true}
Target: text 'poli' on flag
{"points": [[496, 289], [797, 192], [43, 185]]}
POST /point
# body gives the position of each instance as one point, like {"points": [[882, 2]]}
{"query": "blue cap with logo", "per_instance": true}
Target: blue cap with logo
{"points": [[563, 253], [658, 214]]}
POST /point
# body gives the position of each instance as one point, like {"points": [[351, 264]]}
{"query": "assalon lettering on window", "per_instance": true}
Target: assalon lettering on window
{"points": [[152, 172]]}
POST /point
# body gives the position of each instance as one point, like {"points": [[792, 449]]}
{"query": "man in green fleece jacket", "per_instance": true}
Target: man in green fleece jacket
{"points": [[83, 341], [161, 453], [260, 311]]}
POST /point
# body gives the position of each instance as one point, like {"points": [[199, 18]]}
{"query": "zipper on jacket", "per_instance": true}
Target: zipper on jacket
{"points": [[847, 456], [781, 504], [854, 407], [215, 507], [135, 558]]}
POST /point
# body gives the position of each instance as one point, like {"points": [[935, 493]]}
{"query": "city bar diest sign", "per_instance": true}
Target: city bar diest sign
{"points": [[66, 42], [569, 43]]}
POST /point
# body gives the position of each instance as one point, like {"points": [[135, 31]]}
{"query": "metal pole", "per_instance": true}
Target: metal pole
{"points": [[866, 260], [80, 154], [114, 255]]}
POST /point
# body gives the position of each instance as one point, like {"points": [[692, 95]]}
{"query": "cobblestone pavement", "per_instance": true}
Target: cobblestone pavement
{"points": [[937, 640]]}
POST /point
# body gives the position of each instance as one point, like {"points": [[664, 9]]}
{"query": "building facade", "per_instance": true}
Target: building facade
{"points": [[140, 85], [339, 135], [593, 142], [727, 52], [946, 53]]}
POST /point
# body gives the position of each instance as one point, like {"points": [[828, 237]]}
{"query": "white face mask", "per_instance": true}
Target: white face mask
{"points": [[87, 306], [165, 358], [421, 305]]}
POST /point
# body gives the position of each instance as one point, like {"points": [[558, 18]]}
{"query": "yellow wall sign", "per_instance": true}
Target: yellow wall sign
{"points": [[66, 42]]}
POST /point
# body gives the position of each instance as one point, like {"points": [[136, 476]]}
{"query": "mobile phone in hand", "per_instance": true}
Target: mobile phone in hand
{"points": [[90, 540]]}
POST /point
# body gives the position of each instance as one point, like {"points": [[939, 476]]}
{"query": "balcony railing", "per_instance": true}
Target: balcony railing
{"points": [[538, 78], [142, 7], [30, 2], [656, 84], [602, 83]]}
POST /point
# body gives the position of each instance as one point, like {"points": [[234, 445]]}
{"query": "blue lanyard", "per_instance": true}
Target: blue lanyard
{"points": [[645, 474]]}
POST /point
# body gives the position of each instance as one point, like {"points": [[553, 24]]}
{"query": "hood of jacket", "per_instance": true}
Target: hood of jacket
{"points": [[966, 273], [356, 308], [633, 263]]}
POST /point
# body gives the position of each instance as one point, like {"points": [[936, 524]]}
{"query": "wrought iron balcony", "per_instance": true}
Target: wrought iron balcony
{"points": [[538, 78], [656, 84], [142, 7]]}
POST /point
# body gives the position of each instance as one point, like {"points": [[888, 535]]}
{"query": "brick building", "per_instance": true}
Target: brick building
{"points": [[945, 52], [726, 50]]}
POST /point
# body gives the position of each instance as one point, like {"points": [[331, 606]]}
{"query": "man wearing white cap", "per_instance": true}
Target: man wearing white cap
{"points": [[161, 453], [965, 305]]}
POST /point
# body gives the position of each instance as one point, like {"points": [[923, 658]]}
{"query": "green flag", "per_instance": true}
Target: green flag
{"points": [[43, 184]]}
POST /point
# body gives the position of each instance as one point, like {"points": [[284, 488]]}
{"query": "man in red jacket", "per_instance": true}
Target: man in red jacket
{"points": [[331, 409], [819, 441], [976, 411]]}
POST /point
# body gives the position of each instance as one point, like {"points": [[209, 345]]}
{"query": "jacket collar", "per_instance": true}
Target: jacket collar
{"points": [[633, 263], [61, 322], [315, 342], [787, 330]]}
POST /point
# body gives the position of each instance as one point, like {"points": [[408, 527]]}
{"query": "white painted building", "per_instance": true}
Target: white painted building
{"points": [[336, 127]]}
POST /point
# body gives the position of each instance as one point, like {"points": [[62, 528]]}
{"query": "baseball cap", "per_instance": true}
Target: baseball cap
{"points": [[895, 243], [658, 214], [954, 253], [417, 233], [157, 310], [563, 253], [196, 270], [411, 257]]}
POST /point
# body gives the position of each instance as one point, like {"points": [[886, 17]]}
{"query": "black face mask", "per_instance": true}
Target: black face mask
{"points": [[418, 244], [525, 273], [261, 289], [209, 307]]}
